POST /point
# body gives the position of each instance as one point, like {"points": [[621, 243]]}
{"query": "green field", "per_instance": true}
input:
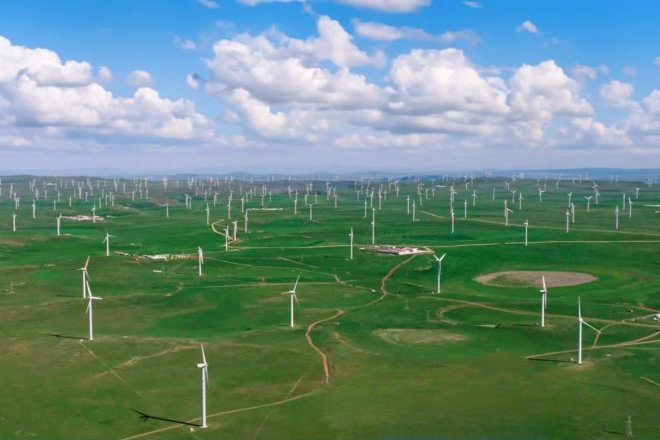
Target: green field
{"points": [[402, 360]]}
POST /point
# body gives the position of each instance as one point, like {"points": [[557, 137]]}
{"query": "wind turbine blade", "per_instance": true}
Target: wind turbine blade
{"points": [[590, 326], [203, 354], [579, 309], [543, 280], [89, 305], [295, 285], [295, 297], [443, 256], [86, 263]]}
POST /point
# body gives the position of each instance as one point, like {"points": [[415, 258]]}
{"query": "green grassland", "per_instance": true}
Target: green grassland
{"points": [[403, 361]]}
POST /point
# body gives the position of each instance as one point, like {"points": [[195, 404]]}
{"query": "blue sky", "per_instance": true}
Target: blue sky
{"points": [[347, 85]]}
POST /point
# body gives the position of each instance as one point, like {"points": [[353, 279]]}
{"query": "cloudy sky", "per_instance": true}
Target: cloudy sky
{"points": [[328, 85]]}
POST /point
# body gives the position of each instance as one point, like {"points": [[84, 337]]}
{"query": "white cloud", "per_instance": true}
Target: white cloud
{"points": [[211, 4], [528, 26], [539, 94], [388, 5], [42, 97], [184, 44], [657, 61], [467, 35], [258, 2], [105, 74], [139, 78], [384, 32], [583, 73], [617, 94], [193, 81], [629, 71], [472, 4]]}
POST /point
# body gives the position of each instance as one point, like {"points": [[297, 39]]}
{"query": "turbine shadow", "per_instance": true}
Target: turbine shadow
{"points": [[614, 432], [144, 417], [62, 336], [558, 361]]}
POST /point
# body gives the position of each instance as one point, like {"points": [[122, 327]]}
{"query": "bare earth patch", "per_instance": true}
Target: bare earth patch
{"points": [[418, 336], [518, 278]]}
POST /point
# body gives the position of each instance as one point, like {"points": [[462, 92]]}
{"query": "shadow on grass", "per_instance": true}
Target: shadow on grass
{"points": [[144, 417], [623, 434], [62, 336], [558, 361]]}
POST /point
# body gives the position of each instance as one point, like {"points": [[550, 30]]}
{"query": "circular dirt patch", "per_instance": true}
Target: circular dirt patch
{"points": [[518, 278], [418, 336]]}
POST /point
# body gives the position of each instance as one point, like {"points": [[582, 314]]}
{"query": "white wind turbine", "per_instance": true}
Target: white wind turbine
{"points": [[580, 322], [373, 226], [208, 214], [506, 213], [59, 223], [630, 203], [474, 198], [568, 219], [293, 297], [205, 379], [541, 195], [520, 200], [439, 260], [588, 202], [13, 222], [89, 311], [544, 300], [453, 218], [85, 277], [200, 259], [351, 237], [616, 218], [106, 240], [526, 227]]}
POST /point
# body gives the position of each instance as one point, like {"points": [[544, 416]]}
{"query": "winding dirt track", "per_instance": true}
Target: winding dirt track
{"points": [[324, 357]]}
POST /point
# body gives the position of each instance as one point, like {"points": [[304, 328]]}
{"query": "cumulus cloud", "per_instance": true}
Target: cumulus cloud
{"points": [[139, 78], [528, 26], [617, 93], [45, 96], [105, 74], [388, 5]]}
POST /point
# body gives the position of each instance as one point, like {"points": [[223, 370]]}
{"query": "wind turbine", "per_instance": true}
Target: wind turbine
{"points": [[85, 277], [544, 300], [439, 260], [616, 218], [351, 236], [292, 296], [205, 379], [568, 219], [89, 311], [373, 226], [59, 223], [630, 203], [453, 217], [106, 240], [580, 322], [588, 202], [541, 195], [200, 259], [520, 199], [526, 227]]}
